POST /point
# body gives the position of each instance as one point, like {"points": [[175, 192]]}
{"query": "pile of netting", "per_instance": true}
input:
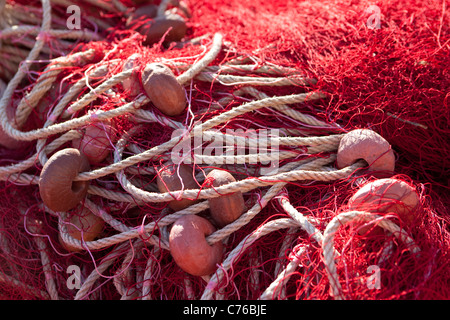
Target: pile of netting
{"points": [[273, 92]]}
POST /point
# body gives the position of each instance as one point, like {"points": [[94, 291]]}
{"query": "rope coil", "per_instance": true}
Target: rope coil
{"points": [[131, 167]]}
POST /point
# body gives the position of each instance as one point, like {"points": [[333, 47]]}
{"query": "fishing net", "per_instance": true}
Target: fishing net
{"points": [[271, 90]]}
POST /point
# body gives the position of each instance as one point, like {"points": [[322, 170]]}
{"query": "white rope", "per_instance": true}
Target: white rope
{"points": [[299, 158], [343, 219]]}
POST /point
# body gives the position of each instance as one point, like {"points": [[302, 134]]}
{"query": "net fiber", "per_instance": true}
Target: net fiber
{"points": [[298, 75]]}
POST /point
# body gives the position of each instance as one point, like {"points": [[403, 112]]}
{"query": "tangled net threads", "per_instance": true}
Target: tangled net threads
{"points": [[131, 258]]}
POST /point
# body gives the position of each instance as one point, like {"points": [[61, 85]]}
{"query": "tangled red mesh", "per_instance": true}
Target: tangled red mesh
{"points": [[392, 79]]}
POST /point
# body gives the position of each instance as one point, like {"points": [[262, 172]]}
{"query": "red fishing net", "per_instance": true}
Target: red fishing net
{"points": [[271, 90]]}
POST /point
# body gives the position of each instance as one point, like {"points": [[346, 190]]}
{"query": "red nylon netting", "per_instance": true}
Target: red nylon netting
{"points": [[393, 80]]}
